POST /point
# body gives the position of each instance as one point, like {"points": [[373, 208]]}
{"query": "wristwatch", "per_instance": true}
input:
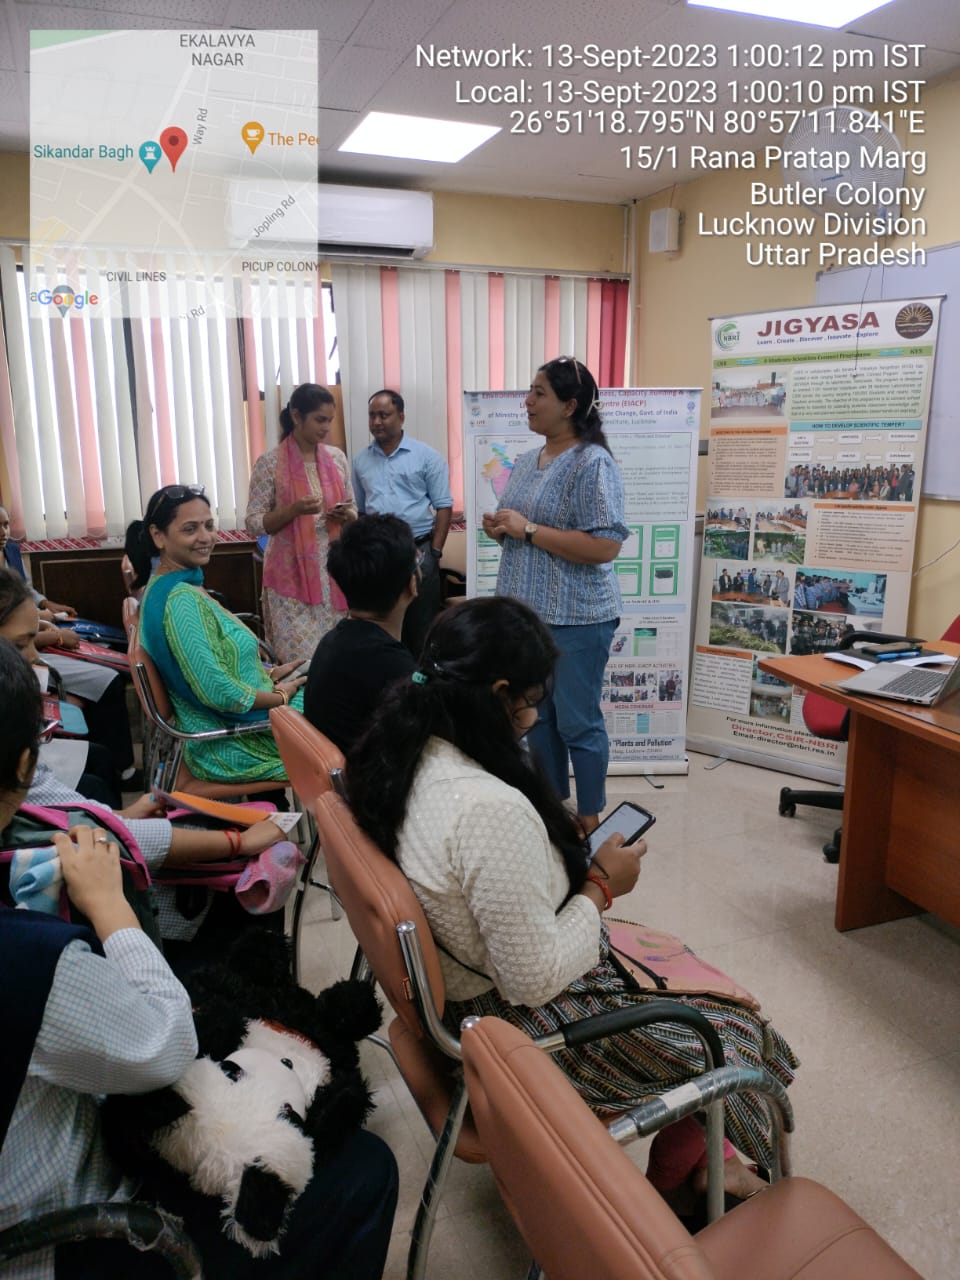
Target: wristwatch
{"points": [[437, 553], [528, 531]]}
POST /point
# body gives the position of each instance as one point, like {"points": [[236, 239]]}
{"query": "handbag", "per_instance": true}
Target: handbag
{"points": [[33, 827], [657, 961]]}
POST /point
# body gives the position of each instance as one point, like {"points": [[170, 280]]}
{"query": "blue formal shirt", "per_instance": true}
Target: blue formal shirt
{"points": [[412, 482], [580, 489]]}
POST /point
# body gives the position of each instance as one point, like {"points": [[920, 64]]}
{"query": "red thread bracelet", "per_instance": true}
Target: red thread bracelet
{"points": [[608, 896], [233, 840]]}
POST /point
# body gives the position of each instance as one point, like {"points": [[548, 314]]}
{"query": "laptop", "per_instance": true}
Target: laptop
{"points": [[902, 683]]}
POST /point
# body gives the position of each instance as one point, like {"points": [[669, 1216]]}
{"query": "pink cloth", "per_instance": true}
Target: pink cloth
{"points": [[293, 567], [267, 880]]}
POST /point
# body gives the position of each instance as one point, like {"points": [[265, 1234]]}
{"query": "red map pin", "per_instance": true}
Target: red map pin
{"points": [[173, 141]]}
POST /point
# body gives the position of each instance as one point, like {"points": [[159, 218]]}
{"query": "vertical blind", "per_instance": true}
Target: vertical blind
{"points": [[431, 335], [98, 410]]}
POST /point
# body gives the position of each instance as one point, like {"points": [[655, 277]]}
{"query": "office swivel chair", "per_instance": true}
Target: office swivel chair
{"points": [[828, 719]]}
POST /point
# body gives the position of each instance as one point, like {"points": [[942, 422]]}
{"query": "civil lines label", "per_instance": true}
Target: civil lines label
{"points": [[162, 156]]}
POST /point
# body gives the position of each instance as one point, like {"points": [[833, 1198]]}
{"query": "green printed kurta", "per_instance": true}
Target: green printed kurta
{"points": [[220, 660]]}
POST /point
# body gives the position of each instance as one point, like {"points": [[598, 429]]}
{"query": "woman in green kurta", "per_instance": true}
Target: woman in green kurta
{"points": [[208, 660]]}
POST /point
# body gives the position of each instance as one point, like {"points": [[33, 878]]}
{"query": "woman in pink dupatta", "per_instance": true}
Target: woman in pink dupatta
{"points": [[301, 495]]}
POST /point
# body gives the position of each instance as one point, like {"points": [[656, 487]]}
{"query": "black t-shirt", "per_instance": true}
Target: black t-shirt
{"points": [[353, 666]]}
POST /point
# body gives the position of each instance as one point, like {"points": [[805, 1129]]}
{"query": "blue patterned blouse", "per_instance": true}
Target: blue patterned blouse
{"points": [[580, 489]]}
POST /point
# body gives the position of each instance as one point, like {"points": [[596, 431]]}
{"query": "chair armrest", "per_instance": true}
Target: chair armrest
{"points": [[602, 1025], [142, 1226], [204, 735], [699, 1093]]}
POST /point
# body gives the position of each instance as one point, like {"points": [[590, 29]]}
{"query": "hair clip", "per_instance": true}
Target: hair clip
{"points": [[419, 677]]}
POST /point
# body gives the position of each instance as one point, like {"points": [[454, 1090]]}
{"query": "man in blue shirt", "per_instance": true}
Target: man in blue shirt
{"points": [[397, 475]]}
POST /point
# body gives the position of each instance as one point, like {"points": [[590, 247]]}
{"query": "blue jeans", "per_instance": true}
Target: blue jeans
{"points": [[570, 725]]}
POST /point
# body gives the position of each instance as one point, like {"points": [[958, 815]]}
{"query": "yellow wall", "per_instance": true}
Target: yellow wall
{"points": [[14, 196], [676, 294], [551, 235]]}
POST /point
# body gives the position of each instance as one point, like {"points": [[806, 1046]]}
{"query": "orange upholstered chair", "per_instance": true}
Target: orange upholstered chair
{"points": [[586, 1210]]}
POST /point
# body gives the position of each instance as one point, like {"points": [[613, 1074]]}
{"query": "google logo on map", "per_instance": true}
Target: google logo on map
{"points": [[63, 297]]}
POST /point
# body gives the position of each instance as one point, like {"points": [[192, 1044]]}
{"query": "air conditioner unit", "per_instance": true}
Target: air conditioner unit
{"points": [[337, 221], [374, 221]]}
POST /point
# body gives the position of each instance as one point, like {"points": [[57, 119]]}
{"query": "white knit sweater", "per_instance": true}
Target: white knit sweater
{"points": [[491, 884]]}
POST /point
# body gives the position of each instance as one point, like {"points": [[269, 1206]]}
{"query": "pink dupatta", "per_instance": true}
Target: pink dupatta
{"points": [[293, 567]]}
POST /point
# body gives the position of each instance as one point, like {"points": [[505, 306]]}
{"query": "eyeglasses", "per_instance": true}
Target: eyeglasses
{"points": [[175, 493], [180, 492], [571, 360]]}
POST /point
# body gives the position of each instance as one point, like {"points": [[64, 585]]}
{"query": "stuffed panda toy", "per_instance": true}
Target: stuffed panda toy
{"points": [[276, 1087]]}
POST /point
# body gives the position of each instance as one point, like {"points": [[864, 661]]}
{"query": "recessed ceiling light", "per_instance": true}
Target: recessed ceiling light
{"points": [[815, 13], [416, 137]]}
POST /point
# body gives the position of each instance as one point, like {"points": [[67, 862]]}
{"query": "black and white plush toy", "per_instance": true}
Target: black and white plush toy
{"points": [[276, 1087]]}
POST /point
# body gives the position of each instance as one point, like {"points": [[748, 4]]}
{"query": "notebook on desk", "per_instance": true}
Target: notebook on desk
{"points": [[903, 683]]}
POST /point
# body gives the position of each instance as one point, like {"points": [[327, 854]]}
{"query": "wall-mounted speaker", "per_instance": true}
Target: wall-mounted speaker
{"points": [[664, 234]]}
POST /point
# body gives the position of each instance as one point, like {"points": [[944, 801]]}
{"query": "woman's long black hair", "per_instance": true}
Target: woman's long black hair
{"points": [[13, 593], [572, 380], [468, 649], [161, 509], [20, 710]]}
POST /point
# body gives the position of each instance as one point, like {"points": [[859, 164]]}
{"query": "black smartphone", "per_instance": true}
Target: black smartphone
{"points": [[627, 819]]}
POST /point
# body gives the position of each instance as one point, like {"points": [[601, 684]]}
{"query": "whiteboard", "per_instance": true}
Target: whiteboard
{"points": [[939, 276]]}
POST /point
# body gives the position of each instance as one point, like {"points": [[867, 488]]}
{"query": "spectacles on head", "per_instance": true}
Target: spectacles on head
{"points": [[571, 360], [175, 493]]}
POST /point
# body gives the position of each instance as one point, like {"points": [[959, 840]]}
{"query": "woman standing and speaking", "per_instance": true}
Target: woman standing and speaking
{"points": [[300, 494], [560, 524]]}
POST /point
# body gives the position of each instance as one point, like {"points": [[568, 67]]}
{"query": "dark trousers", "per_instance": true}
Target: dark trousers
{"points": [[109, 723], [429, 601], [339, 1230]]}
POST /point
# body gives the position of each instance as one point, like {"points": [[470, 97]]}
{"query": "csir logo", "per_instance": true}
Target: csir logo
{"points": [[726, 335], [63, 297]]}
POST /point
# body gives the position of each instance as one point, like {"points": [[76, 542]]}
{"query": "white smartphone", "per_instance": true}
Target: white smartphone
{"points": [[302, 670], [627, 820]]}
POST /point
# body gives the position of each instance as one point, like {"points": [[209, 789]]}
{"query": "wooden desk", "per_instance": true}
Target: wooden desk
{"points": [[900, 852]]}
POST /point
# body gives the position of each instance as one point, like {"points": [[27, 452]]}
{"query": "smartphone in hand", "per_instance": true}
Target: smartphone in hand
{"points": [[628, 820]]}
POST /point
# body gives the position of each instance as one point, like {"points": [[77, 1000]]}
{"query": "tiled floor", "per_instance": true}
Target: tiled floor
{"points": [[874, 1016]]}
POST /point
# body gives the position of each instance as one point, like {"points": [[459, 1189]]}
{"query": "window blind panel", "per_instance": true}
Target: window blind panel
{"points": [[356, 292], [236, 423], [475, 330], [8, 443], [54, 514], [423, 365], [454, 396], [230, 503]]}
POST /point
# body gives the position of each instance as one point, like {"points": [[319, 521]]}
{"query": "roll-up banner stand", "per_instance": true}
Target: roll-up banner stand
{"points": [[818, 420], [653, 434]]}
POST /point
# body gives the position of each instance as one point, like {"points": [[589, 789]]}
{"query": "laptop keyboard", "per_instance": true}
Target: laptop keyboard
{"points": [[915, 684]]}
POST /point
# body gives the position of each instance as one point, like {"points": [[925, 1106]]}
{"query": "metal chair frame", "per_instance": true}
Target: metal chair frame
{"points": [[142, 1226], [419, 993]]}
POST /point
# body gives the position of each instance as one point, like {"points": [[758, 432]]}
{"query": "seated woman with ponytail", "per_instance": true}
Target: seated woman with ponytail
{"points": [[208, 660], [441, 783]]}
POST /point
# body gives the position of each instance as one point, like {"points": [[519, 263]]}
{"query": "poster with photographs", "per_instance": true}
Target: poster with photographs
{"points": [[818, 420], [653, 435]]}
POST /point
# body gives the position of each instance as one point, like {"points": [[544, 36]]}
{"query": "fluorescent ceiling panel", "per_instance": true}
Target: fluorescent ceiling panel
{"points": [[815, 13], [416, 137]]}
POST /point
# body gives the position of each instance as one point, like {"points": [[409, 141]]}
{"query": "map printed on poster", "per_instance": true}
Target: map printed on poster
{"points": [[653, 434], [817, 429], [166, 156]]}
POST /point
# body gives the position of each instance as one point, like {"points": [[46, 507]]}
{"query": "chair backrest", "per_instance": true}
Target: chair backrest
{"points": [[581, 1204], [952, 632], [309, 757], [140, 660], [376, 897]]}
